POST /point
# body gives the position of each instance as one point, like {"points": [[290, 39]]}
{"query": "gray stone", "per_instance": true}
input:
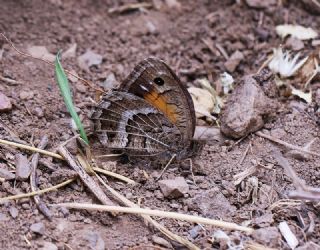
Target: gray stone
{"points": [[38, 228], [95, 241], [162, 242], [4, 173], [5, 103], [211, 203], [174, 188], [23, 167], [14, 212]]}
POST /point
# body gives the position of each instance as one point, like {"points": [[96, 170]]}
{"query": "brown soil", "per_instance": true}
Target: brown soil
{"points": [[123, 40]]}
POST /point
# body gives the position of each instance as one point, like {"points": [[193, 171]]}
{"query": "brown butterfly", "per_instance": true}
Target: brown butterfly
{"points": [[151, 114]]}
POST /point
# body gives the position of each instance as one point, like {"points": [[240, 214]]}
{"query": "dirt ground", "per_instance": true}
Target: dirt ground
{"points": [[177, 35]]}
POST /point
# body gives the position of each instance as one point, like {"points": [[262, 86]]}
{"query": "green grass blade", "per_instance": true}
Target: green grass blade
{"points": [[66, 94]]}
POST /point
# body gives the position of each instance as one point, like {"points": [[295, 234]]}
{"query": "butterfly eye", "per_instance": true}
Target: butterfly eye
{"points": [[159, 81]]}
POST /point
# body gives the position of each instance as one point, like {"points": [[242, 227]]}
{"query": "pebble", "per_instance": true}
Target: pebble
{"points": [[3, 217], [95, 241], [4, 173], [295, 43], [232, 63], [269, 236], [194, 232], [46, 245], [246, 109], [14, 212], [258, 4], [38, 228], [23, 167], [110, 82], [38, 112], [211, 203], [174, 188], [24, 95], [88, 59], [162, 242], [5, 103]]}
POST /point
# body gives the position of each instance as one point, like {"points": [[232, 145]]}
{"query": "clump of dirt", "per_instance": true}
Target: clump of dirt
{"points": [[198, 39]]}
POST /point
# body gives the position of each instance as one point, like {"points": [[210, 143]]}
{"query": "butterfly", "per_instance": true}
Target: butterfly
{"points": [[151, 114]]}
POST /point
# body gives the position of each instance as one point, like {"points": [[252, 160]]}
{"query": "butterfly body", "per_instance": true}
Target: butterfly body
{"points": [[151, 114]]}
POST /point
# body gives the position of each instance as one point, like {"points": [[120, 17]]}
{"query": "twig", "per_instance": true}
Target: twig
{"points": [[42, 191], [165, 168], [10, 81], [18, 145], [303, 191], [130, 6], [87, 179], [90, 84], [288, 145], [210, 47], [57, 156], [222, 51], [115, 175], [159, 213], [147, 218], [34, 163]]}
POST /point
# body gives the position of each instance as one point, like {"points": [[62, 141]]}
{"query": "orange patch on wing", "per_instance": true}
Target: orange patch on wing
{"points": [[160, 103]]}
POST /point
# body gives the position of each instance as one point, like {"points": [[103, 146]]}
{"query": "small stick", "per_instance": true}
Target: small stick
{"points": [[147, 218], [159, 213], [130, 6], [222, 51], [303, 191], [57, 156], [10, 81], [34, 163], [288, 145], [115, 175], [165, 168], [18, 145], [42, 191], [87, 179]]}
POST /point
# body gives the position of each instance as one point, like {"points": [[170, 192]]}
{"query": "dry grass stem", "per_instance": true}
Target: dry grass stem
{"points": [[159, 213], [34, 163], [129, 7], [42, 191], [303, 191], [148, 219], [288, 145], [115, 175], [10, 81], [85, 177], [30, 148], [57, 156]]}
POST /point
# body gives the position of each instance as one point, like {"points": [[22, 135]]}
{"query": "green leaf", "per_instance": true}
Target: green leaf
{"points": [[66, 94]]}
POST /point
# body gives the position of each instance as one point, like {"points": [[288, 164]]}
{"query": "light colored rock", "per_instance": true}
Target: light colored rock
{"points": [[258, 4], [88, 59], [232, 63], [23, 167], [38, 228], [14, 212], [245, 109], [41, 52], [162, 242], [46, 245], [4, 173], [211, 203], [5, 103], [174, 188]]}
